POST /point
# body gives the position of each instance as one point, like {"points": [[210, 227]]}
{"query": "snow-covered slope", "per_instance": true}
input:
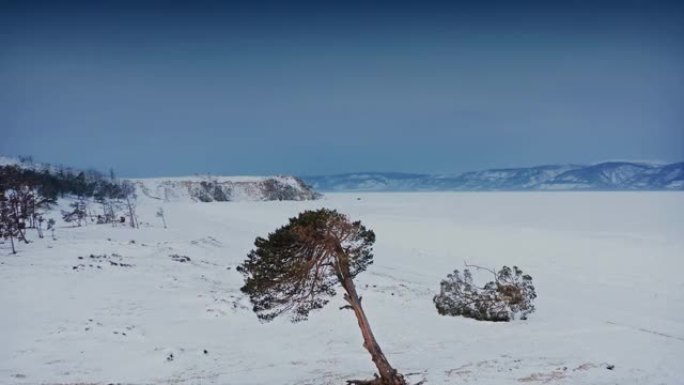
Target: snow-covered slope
{"points": [[606, 266], [8, 161], [222, 189], [603, 176], [199, 188], [26, 163]]}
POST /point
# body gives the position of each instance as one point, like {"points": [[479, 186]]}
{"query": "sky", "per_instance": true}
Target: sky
{"points": [[162, 88]]}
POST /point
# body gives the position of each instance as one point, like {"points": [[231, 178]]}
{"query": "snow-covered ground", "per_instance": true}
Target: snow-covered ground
{"points": [[607, 268]]}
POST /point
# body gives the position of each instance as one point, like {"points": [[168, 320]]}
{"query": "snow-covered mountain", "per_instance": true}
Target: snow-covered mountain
{"points": [[602, 176], [221, 189]]}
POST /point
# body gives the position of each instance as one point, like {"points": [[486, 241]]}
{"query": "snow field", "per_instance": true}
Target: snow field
{"points": [[607, 268]]}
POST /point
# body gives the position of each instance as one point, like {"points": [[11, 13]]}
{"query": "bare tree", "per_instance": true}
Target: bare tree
{"points": [[39, 227], [16, 218], [160, 214], [108, 215], [298, 266], [128, 190], [8, 224], [51, 227]]}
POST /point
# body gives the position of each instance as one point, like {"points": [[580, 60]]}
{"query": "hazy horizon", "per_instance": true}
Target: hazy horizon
{"points": [[38, 161]]}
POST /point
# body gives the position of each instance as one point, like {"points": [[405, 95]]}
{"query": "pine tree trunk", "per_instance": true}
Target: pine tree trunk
{"points": [[388, 375], [12, 242]]}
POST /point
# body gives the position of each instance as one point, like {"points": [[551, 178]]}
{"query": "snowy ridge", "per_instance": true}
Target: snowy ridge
{"points": [[222, 189], [27, 163], [202, 188], [613, 176], [7, 161]]}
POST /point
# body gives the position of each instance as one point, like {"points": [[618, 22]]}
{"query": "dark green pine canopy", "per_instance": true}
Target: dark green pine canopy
{"points": [[296, 268]]}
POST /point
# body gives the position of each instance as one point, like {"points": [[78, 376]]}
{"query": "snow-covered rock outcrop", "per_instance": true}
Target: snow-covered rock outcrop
{"points": [[222, 189]]}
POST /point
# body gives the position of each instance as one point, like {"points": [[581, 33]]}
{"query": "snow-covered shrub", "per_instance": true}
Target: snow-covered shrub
{"points": [[79, 212], [180, 258], [506, 298]]}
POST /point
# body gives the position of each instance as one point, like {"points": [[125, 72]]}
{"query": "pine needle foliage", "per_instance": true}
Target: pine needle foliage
{"points": [[297, 267]]}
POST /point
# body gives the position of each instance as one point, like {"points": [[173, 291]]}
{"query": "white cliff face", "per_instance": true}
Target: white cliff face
{"points": [[223, 189]]}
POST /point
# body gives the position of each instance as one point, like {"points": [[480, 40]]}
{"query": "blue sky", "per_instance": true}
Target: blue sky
{"points": [[157, 88]]}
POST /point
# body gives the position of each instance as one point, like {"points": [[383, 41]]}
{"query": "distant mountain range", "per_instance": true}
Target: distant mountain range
{"points": [[608, 176]]}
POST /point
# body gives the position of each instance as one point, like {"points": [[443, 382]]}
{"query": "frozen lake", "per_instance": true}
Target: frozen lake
{"points": [[607, 268]]}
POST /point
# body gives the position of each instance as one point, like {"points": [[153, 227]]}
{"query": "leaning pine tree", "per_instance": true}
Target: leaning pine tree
{"points": [[297, 268]]}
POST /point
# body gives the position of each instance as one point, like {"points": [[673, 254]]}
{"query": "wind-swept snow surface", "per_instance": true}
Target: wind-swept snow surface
{"points": [[156, 306]]}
